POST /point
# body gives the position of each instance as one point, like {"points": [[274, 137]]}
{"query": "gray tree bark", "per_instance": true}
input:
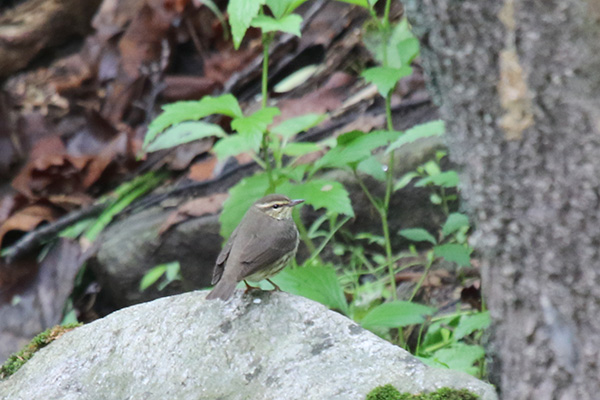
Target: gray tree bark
{"points": [[518, 83]]}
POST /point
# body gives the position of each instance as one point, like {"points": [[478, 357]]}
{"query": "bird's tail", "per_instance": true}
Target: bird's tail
{"points": [[223, 290]]}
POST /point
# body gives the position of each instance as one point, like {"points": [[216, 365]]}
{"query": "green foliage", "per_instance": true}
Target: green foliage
{"points": [[385, 78], [181, 111], [289, 23], [418, 235], [372, 301], [396, 314], [185, 132], [428, 129], [389, 392], [386, 392], [16, 361], [171, 272], [318, 283]]}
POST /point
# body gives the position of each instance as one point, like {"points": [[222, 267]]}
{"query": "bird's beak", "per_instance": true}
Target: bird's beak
{"points": [[296, 202]]}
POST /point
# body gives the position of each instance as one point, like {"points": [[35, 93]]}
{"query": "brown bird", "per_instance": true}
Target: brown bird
{"points": [[262, 245]]}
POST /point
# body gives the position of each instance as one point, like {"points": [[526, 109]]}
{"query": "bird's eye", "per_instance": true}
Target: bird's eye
{"points": [[275, 206]]}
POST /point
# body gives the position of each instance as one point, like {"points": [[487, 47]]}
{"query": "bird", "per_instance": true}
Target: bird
{"points": [[263, 244]]}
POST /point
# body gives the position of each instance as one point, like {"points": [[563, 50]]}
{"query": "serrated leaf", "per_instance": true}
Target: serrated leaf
{"points": [[353, 147], [300, 148], [454, 222], [290, 127], [320, 193], [318, 283], [453, 252], [395, 47], [428, 129], [373, 167], [447, 179], [152, 276], [385, 78], [184, 132], [460, 357], [396, 314], [241, 197], [418, 235], [256, 123], [241, 13], [233, 145], [405, 180], [471, 323], [192, 111], [290, 24]]}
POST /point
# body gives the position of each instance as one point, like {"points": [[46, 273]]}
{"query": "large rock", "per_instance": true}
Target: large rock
{"points": [[257, 346]]}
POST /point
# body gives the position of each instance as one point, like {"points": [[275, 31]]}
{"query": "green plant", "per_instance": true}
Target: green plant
{"points": [[389, 392], [16, 361], [372, 303], [171, 272]]}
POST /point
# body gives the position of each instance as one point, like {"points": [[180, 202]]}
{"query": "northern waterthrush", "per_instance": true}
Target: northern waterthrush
{"points": [[262, 245]]}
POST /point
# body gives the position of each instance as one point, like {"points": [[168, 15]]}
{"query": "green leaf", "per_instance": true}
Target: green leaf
{"points": [[454, 222], [372, 166], [173, 271], [418, 235], [290, 24], [318, 283], [353, 147], [428, 129], [293, 126], [405, 180], [256, 123], [395, 47], [385, 78], [460, 357], [471, 323], [396, 314], [408, 49], [152, 276], [447, 179], [181, 111], [241, 197], [241, 13], [233, 145], [362, 3], [184, 132], [279, 8], [296, 78], [320, 193], [300, 148], [453, 252]]}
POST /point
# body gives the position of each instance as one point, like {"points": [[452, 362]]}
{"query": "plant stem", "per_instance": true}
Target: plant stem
{"points": [[304, 233], [266, 41], [386, 13], [327, 239], [430, 259]]}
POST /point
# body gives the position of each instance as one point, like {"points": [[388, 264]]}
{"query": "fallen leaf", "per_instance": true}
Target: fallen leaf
{"points": [[195, 208], [203, 170], [27, 219]]}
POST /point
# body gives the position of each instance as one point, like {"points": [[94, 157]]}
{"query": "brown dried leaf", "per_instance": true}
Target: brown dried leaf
{"points": [[195, 208], [27, 219], [203, 170]]}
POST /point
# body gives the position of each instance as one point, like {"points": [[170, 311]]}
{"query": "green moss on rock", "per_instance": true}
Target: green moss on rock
{"points": [[389, 392], [16, 360]]}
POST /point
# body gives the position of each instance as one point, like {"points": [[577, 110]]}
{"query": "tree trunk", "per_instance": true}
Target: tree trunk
{"points": [[518, 84]]}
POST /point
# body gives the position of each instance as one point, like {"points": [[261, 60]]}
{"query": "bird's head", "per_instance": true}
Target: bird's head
{"points": [[277, 206]]}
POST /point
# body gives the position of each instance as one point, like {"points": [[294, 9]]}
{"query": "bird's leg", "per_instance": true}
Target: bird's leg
{"points": [[250, 287], [277, 288]]}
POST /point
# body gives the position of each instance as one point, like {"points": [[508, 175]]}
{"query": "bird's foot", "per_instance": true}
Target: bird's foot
{"points": [[250, 287], [275, 287]]}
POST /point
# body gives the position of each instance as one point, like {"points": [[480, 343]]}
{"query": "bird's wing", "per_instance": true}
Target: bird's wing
{"points": [[265, 248], [222, 258]]}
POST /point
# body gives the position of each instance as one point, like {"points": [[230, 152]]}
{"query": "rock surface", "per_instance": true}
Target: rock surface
{"points": [[257, 346]]}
